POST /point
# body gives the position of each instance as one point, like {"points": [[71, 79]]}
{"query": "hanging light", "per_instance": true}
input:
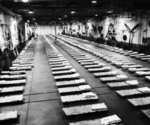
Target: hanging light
{"points": [[96, 14], [73, 12], [31, 12], [33, 19], [94, 1], [25, 1]]}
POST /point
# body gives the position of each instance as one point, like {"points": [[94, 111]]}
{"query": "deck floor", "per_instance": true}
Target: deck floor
{"points": [[42, 104]]}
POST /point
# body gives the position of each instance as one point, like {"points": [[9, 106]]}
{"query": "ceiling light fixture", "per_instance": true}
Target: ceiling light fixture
{"points": [[25, 1], [94, 1], [96, 14], [33, 19], [31, 12], [59, 18], [109, 11], [73, 12]]}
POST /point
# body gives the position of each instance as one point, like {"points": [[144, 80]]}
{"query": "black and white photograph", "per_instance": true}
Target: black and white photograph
{"points": [[74, 62]]}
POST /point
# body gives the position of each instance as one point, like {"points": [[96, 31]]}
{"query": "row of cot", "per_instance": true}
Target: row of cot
{"points": [[100, 67], [116, 81], [130, 53], [132, 67], [12, 83], [140, 70], [72, 89]]}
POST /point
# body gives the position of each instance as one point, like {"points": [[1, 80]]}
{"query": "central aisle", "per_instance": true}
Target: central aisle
{"points": [[44, 101], [44, 106]]}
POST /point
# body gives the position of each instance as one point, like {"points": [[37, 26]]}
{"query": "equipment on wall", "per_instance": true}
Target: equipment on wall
{"points": [[86, 29], [94, 27], [111, 31], [78, 27], [124, 37], [149, 23], [145, 39], [70, 28], [100, 28], [131, 32]]}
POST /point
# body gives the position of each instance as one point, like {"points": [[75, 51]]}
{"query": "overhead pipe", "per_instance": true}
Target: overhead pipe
{"points": [[8, 11]]}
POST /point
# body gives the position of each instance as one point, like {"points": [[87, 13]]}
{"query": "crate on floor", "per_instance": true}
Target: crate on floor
{"points": [[61, 68], [70, 71], [70, 83], [138, 69], [18, 76], [137, 91], [8, 115], [140, 101], [127, 83], [79, 97], [12, 82], [11, 99], [71, 76], [13, 72], [85, 109], [142, 73], [99, 65], [21, 68], [100, 69], [108, 120], [101, 74], [5, 90], [79, 88], [115, 78]]}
